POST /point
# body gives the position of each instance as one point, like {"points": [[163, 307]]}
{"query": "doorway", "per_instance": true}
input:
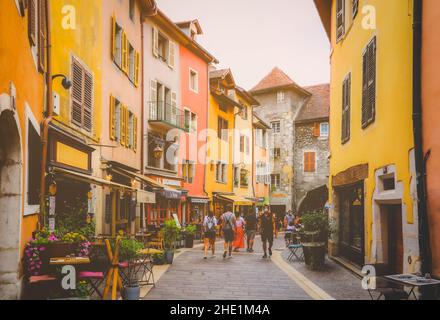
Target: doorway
{"points": [[393, 237], [10, 205]]}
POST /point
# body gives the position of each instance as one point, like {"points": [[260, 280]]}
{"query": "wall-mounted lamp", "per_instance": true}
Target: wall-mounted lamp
{"points": [[158, 151], [66, 83]]}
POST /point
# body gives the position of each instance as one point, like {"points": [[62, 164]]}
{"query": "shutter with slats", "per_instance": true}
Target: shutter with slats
{"points": [[124, 52], [32, 21], [42, 35], [340, 19], [113, 49], [112, 119], [88, 101], [369, 84], [172, 54], [346, 109], [316, 129], [136, 69], [153, 100], [127, 128], [135, 133], [155, 42], [77, 92], [123, 129]]}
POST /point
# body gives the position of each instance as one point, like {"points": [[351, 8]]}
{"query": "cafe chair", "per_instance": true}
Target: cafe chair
{"points": [[296, 248], [384, 288]]}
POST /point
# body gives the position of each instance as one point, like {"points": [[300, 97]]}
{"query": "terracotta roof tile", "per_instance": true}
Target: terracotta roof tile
{"points": [[318, 106], [276, 78]]}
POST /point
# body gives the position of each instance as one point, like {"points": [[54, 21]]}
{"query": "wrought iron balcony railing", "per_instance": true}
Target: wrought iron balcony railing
{"points": [[167, 114]]}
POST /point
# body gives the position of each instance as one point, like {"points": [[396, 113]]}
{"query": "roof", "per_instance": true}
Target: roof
{"points": [[187, 24], [220, 73], [258, 122], [318, 105], [247, 96], [324, 8], [276, 79]]}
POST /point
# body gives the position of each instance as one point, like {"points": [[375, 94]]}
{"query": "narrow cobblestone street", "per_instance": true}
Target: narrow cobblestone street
{"points": [[249, 277]]}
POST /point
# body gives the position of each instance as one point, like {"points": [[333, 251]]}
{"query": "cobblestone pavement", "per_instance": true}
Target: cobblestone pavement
{"points": [[245, 276]]}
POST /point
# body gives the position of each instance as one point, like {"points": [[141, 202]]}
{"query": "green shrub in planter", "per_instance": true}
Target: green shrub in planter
{"points": [[314, 238], [190, 231], [171, 234]]}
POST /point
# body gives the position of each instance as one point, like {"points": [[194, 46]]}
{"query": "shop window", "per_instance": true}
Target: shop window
{"points": [[34, 166]]}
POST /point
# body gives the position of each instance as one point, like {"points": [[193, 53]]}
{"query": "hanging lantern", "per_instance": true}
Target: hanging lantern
{"points": [[158, 151]]}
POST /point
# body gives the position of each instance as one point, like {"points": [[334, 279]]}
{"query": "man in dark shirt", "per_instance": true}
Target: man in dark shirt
{"points": [[268, 229], [251, 230]]}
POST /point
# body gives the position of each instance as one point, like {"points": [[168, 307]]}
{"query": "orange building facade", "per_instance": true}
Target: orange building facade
{"points": [[22, 70], [431, 130]]}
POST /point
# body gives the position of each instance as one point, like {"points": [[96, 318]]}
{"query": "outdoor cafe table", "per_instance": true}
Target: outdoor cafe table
{"points": [[69, 261], [413, 282], [146, 265]]}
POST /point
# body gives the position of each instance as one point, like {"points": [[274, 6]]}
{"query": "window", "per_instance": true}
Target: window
{"points": [[123, 125], [131, 62], [346, 109], [276, 152], [244, 112], [82, 96], [193, 81], [37, 30], [280, 97], [154, 141], [355, 6], [247, 145], [276, 126], [221, 173], [193, 122], [244, 178], [188, 171], [340, 19], [34, 165], [242, 144], [187, 120], [223, 131], [170, 154], [369, 84], [309, 162], [275, 181], [132, 9], [163, 48], [117, 44], [324, 130]]}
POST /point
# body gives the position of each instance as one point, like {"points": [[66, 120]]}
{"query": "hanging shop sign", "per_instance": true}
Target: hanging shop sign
{"points": [[171, 183], [52, 205], [199, 200], [146, 197], [66, 151]]}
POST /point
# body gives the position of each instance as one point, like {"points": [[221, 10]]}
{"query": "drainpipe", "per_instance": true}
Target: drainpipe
{"points": [[425, 251], [47, 119]]}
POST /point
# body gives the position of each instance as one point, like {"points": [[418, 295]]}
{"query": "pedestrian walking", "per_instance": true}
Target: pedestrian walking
{"points": [[239, 233], [268, 230], [288, 226], [251, 230], [228, 227], [209, 230]]}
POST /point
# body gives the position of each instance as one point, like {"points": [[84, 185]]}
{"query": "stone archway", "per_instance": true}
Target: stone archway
{"points": [[10, 205]]}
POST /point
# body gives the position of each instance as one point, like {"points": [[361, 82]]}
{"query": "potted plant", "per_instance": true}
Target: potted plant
{"points": [[129, 253], [158, 259], [190, 231], [314, 239], [171, 233]]}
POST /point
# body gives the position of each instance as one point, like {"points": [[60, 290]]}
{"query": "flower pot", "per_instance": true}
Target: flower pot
{"points": [[189, 241], [131, 293], [314, 255], [169, 256]]}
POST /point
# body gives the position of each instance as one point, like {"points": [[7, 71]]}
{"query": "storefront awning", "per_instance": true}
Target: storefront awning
{"points": [[89, 179], [237, 200], [153, 183], [172, 193]]}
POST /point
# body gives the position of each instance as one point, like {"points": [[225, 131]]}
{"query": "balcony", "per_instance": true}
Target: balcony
{"points": [[166, 116]]}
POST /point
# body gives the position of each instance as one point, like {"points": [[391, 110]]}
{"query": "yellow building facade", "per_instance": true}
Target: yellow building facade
{"points": [[372, 166], [220, 141]]}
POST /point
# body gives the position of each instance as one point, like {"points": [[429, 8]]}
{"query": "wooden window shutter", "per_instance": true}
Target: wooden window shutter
{"points": [[309, 162], [42, 35], [32, 22], [137, 69], [124, 52], [172, 54], [155, 42], [88, 101], [127, 127], [340, 19], [316, 129], [346, 109], [135, 133], [77, 92], [113, 49], [112, 119], [369, 84], [355, 4], [122, 122]]}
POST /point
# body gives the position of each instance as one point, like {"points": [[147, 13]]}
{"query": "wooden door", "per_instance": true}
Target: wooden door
{"points": [[395, 239]]}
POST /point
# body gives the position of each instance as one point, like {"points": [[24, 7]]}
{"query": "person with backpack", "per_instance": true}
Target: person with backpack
{"points": [[209, 229], [228, 227], [268, 230], [251, 230]]}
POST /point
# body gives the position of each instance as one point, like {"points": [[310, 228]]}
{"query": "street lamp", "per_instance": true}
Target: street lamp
{"points": [[66, 83]]}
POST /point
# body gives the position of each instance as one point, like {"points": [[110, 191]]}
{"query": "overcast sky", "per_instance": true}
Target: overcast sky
{"points": [[253, 36]]}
